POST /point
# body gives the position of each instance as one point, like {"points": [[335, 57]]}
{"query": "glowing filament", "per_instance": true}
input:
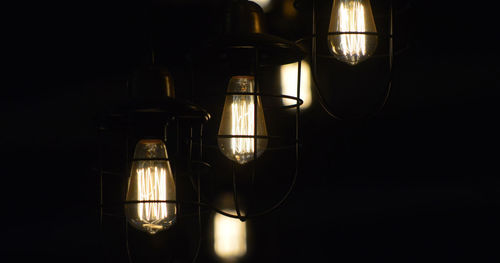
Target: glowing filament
{"points": [[151, 179], [242, 120], [352, 19], [152, 186], [353, 32]]}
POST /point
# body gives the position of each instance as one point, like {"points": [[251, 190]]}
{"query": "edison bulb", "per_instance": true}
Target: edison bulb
{"points": [[352, 16], [151, 179], [238, 118], [230, 237]]}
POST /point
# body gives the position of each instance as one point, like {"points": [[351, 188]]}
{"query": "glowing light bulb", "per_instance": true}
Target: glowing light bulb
{"points": [[151, 179], [289, 83], [238, 118], [352, 16], [230, 237]]}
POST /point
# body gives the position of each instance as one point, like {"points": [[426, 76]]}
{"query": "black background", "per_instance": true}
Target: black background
{"points": [[416, 183]]}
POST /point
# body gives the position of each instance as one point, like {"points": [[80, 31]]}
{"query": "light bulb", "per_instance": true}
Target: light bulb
{"points": [[230, 237], [352, 16], [238, 118], [289, 83], [151, 179]]}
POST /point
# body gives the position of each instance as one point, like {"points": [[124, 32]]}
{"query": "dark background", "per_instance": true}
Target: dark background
{"points": [[417, 182]]}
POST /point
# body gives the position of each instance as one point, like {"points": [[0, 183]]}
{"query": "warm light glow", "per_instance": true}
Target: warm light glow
{"points": [[230, 237], [352, 16], [264, 4], [238, 118], [151, 179], [242, 113], [152, 185], [289, 83]]}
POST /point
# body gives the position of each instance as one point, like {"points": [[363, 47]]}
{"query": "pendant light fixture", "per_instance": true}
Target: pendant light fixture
{"points": [[163, 129], [352, 37], [244, 135], [243, 52]]}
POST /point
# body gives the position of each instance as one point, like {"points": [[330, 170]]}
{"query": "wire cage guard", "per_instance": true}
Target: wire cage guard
{"points": [[170, 113], [164, 115], [313, 5], [263, 46]]}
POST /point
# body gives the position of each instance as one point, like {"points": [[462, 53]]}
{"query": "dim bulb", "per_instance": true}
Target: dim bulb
{"points": [[238, 118], [352, 16], [151, 179], [230, 237]]}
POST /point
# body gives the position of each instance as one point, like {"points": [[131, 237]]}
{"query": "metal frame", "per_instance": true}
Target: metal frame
{"points": [[185, 112], [282, 52], [259, 42]]}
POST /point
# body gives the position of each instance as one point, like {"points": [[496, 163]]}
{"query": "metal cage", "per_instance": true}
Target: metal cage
{"points": [[266, 50], [389, 36], [176, 122]]}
